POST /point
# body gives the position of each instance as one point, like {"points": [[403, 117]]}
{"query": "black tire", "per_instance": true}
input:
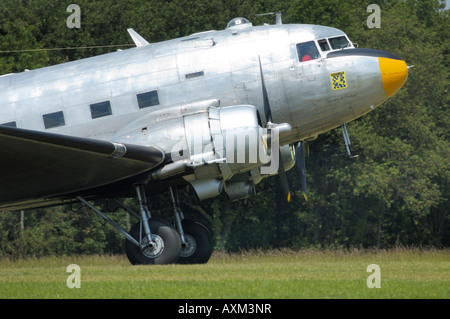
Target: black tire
{"points": [[165, 251], [199, 243]]}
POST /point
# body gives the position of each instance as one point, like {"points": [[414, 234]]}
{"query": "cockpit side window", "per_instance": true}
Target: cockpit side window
{"points": [[324, 46], [307, 51], [339, 42]]}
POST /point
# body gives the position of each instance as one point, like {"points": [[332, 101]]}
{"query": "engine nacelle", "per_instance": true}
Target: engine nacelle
{"points": [[213, 147], [243, 185], [224, 142]]}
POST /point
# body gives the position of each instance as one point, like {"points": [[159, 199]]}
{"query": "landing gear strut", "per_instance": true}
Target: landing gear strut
{"points": [[156, 241], [197, 242], [159, 243]]}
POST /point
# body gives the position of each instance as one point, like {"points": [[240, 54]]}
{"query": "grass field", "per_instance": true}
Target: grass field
{"points": [[404, 273]]}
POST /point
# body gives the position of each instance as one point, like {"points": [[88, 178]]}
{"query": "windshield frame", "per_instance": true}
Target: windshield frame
{"points": [[340, 46], [323, 46]]}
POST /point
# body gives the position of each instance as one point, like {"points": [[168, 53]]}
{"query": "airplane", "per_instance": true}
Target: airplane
{"points": [[217, 111]]}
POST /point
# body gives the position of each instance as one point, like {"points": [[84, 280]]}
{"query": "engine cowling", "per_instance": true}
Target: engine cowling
{"points": [[223, 147], [222, 143]]}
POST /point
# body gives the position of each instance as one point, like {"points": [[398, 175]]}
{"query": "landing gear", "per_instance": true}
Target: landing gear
{"points": [[197, 242], [164, 248], [154, 241], [198, 245]]}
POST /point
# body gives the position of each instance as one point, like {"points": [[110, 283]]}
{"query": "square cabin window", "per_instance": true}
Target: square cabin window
{"points": [[54, 119], [101, 109], [194, 75], [148, 99], [9, 124]]}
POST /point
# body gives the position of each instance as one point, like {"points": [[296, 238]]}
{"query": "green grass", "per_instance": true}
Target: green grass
{"points": [[405, 273]]}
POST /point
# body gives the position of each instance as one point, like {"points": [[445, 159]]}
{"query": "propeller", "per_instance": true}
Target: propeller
{"points": [[300, 159], [268, 114], [299, 151], [267, 110]]}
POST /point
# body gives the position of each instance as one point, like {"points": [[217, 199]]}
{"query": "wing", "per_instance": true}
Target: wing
{"points": [[39, 165]]}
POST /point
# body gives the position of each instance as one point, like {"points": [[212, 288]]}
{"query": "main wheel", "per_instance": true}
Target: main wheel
{"points": [[199, 243], [165, 248]]}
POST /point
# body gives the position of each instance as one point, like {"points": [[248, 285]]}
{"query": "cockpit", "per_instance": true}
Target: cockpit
{"points": [[313, 50]]}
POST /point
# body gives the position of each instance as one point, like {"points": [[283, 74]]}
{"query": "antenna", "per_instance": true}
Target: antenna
{"points": [[277, 15], [137, 39]]}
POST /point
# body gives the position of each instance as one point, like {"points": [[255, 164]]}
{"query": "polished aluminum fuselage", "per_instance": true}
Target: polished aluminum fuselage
{"points": [[200, 98], [224, 65]]}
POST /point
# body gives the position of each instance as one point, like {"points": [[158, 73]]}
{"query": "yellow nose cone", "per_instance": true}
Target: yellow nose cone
{"points": [[393, 74]]}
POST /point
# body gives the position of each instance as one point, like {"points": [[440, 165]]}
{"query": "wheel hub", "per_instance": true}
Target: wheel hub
{"points": [[154, 248], [189, 247]]}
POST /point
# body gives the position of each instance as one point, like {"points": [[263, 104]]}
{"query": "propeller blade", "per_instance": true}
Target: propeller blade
{"points": [[267, 110], [300, 159], [268, 114], [306, 148], [283, 179]]}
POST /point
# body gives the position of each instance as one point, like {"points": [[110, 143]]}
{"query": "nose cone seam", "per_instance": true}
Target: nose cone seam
{"points": [[393, 74]]}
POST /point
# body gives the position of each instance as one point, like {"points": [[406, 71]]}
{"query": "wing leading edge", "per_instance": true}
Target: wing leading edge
{"points": [[38, 165]]}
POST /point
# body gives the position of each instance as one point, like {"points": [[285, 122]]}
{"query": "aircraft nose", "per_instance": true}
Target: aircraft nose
{"points": [[393, 74]]}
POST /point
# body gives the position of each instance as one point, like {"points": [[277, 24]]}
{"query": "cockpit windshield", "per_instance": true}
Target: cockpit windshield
{"points": [[339, 42], [324, 46], [335, 43], [309, 51]]}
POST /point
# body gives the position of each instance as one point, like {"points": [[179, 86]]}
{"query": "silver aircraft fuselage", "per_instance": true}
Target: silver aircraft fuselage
{"points": [[143, 95]]}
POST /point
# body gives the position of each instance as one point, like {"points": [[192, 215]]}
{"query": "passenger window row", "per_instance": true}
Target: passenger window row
{"points": [[98, 110]]}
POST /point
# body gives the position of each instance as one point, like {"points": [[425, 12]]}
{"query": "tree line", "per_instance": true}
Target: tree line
{"points": [[394, 193]]}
